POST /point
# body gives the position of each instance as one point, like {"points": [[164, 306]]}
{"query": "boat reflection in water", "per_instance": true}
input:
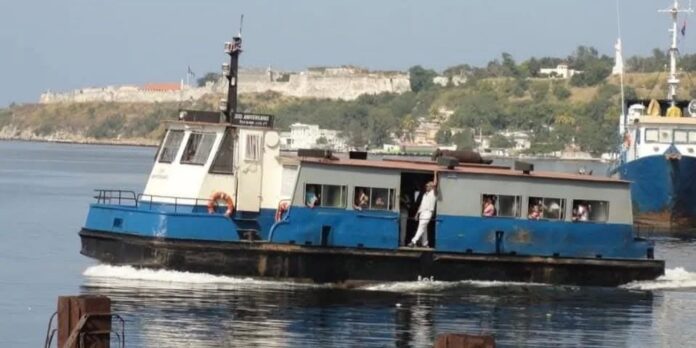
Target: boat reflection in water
{"points": [[224, 311]]}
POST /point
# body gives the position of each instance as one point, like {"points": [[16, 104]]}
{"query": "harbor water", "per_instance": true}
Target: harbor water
{"points": [[45, 190]]}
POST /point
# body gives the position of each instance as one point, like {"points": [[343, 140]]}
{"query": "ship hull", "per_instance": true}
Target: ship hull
{"points": [[663, 192], [355, 266]]}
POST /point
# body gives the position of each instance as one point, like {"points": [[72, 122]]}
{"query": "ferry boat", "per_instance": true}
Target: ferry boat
{"points": [[318, 218], [658, 153]]}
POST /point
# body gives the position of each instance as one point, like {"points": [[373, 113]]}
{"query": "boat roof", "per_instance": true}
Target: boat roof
{"points": [[667, 120], [464, 168]]}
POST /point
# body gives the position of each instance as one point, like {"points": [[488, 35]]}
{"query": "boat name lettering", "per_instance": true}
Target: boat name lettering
{"points": [[253, 120]]}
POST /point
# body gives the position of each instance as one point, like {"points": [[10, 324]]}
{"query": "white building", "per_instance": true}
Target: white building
{"points": [[560, 71], [310, 136], [520, 142]]}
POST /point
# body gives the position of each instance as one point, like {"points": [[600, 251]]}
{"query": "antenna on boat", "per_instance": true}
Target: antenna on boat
{"points": [[673, 81], [231, 72], [619, 64]]}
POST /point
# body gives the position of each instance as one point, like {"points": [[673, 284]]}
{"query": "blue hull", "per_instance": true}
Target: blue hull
{"points": [[663, 191]]}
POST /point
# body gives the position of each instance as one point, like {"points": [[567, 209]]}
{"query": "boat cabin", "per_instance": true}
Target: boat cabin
{"points": [[372, 204], [196, 159], [656, 127]]}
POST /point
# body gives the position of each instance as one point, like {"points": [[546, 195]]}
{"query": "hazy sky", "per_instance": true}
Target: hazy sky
{"points": [[66, 44]]}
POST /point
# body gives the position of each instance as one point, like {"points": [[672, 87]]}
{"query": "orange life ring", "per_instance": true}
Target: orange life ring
{"points": [[216, 196], [283, 206]]}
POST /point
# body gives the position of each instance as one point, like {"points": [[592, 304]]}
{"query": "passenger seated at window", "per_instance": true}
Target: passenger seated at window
{"points": [[535, 213], [488, 206], [582, 212], [312, 197], [362, 200], [380, 203]]}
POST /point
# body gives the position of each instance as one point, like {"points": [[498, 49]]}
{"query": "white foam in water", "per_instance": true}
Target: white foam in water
{"points": [[143, 277], [674, 278], [434, 285]]}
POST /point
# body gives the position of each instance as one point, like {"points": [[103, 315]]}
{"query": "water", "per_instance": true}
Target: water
{"points": [[44, 193]]}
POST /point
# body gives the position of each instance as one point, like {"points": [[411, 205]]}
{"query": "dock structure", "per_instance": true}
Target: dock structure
{"points": [[84, 321]]}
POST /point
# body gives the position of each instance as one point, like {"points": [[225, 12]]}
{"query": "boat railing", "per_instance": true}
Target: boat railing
{"points": [[119, 197], [150, 201], [130, 198]]}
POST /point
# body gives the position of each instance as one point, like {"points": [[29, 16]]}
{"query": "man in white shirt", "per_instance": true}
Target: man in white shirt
{"points": [[424, 214]]}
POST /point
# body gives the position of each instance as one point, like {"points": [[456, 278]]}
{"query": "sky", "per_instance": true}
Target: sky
{"points": [[60, 45]]}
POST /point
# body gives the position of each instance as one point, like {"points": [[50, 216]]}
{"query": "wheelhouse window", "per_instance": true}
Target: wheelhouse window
{"points": [[692, 137], [331, 196], [665, 136], [681, 136], [171, 145], [373, 198], [500, 205], [224, 159], [545, 208], [652, 135], [198, 148], [253, 147], [589, 210]]}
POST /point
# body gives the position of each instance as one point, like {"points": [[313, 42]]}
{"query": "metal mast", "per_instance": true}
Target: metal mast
{"points": [[231, 72], [673, 81]]}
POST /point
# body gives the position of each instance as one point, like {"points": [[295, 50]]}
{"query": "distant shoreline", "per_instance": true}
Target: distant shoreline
{"points": [[81, 142]]}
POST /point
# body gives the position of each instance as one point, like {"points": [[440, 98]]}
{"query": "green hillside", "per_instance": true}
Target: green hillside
{"points": [[502, 95]]}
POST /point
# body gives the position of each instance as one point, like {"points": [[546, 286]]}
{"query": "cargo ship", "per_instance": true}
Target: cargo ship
{"points": [[658, 153], [222, 199]]}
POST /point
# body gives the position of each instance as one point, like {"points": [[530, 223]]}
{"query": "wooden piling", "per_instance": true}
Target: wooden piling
{"points": [[84, 321], [464, 341]]}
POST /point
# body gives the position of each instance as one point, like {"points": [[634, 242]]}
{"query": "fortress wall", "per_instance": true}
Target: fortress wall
{"points": [[336, 83]]}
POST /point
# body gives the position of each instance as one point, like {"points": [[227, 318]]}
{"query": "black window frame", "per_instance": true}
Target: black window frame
{"points": [[165, 142], [229, 135], [200, 141]]}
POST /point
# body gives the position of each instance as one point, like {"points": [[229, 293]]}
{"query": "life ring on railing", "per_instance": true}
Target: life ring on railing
{"points": [[216, 196], [283, 207]]}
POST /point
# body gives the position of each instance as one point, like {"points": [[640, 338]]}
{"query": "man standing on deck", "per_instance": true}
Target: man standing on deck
{"points": [[425, 213]]}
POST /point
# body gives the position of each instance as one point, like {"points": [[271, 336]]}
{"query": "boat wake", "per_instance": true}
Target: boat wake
{"points": [[128, 276], [433, 285], [674, 278]]}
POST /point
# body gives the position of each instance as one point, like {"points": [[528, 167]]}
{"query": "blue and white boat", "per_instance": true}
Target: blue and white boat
{"points": [[659, 153], [315, 217]]}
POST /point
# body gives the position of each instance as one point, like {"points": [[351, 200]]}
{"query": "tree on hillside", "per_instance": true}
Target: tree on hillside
{"points": [[500, 141], [443, 136], [595, 69], [509, 67], [209, 77], [421, 78], [464, 140]]}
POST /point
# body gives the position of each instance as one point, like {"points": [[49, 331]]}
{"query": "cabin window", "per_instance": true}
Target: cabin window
{"points": [[253, 147], [665, 136], [198, 148], [500, 205], [373, 198], [692, 137], [224, 159], [651, 135], [332, 196], [588, 210], [545, 208], [681, 136], [171, 146]]}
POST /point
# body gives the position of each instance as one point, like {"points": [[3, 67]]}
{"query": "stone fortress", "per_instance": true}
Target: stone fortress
{"points": [[345, 83]]}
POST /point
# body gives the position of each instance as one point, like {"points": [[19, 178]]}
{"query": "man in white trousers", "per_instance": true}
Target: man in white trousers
{"points": [[425, 213]]}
